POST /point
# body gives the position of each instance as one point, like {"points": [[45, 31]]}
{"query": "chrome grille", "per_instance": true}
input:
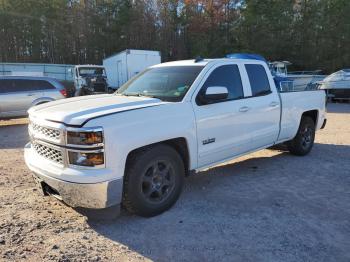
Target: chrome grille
{"points": [[50, 133], [48, 152]]}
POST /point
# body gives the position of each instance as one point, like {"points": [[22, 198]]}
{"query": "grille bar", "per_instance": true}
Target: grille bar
{"points": [[48, 153], [50, 133]]}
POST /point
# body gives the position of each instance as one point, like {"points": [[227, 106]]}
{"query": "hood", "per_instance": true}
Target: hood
{"points": [[78, 110]]}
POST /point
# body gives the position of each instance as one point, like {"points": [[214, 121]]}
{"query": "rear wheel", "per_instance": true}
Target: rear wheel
{"points": [[304, 140], [153, 180]]}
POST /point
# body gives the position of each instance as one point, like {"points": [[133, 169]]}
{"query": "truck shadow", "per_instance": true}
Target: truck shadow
{"points": [[243, 209]]}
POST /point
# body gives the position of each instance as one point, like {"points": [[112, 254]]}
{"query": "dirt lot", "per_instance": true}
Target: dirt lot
{"points": [[268, 206]]}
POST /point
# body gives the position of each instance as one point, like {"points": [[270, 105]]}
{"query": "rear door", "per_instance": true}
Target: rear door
{"points": [[17, 96], [28, 92], [263, 106]]}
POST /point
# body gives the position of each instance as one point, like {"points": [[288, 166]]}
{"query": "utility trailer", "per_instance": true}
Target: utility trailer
{"points": [[125, 65]]}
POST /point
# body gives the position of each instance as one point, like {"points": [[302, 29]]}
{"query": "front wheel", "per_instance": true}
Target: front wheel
{"points": [[303, 142], [153, 180]]}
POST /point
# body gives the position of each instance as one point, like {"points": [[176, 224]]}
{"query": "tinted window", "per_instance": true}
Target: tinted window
{"points": [[227, 76], [7, 85], [258, 80], [42, 85], [23, 85], [90, 71]]}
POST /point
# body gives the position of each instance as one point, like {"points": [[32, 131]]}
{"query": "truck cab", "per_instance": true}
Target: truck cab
{"points": [[89, 80]]}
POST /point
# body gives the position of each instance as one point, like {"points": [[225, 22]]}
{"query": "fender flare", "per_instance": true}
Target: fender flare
{"points": [[42, 100]]}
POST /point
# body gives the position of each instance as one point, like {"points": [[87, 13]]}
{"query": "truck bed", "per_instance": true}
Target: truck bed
{"points": [[294, 104]]}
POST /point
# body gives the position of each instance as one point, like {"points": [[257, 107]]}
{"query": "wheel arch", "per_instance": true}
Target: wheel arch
{"points": [[313, 114], [42, 100], [180, 144]]}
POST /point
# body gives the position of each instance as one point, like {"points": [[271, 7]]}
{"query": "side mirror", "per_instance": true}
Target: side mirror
{"points": [[215, 93]]}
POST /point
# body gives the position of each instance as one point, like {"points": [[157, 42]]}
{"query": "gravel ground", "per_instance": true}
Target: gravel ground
{"points": [[267, 206]]}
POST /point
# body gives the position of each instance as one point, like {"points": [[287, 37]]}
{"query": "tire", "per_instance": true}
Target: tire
{"points": [[303, 142], [153, 180]]}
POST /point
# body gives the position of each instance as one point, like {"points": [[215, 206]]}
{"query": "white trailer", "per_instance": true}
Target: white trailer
{"points": [[125, 65]]}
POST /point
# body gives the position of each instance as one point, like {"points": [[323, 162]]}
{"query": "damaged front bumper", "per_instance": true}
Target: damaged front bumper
{"points": [[94, 195]]}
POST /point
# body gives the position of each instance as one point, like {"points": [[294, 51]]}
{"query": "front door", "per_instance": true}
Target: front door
{"points": [[222, 127]]}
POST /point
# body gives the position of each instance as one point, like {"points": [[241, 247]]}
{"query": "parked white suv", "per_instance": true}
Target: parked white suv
{"points": [[19, 93], [135, 147]]}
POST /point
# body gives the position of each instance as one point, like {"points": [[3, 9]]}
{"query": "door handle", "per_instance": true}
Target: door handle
{"points": [[274, 104], [244, 109], [30, 95]]}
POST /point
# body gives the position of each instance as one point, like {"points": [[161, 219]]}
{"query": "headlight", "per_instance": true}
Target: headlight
{"points": [[85, 147], [86, 159], [85, 138]]}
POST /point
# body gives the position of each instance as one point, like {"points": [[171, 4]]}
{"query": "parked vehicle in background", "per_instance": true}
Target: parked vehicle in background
{"points": [[123, 66], [19, 93], [337, 85], [302, 80], [89, 80], [136, 146]]}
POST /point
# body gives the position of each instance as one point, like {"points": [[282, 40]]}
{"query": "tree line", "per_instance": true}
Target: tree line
{"points": [[312, 34]]}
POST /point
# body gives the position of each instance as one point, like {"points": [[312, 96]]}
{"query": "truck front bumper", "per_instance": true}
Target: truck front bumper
{"points": [[95, 196]]}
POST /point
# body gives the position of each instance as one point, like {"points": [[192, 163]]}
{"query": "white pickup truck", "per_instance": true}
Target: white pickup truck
{"points": [[135, 147]]}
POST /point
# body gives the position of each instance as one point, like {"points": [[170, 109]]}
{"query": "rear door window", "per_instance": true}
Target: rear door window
{"points": [[43, 85], [22, 85], [258, 79]]}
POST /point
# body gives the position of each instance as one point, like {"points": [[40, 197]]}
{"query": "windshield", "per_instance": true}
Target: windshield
{"points": [[90, 71], [166, 83]]}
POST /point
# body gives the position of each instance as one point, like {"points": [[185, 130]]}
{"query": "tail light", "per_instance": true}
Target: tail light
{"points": [[63, 92]]}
